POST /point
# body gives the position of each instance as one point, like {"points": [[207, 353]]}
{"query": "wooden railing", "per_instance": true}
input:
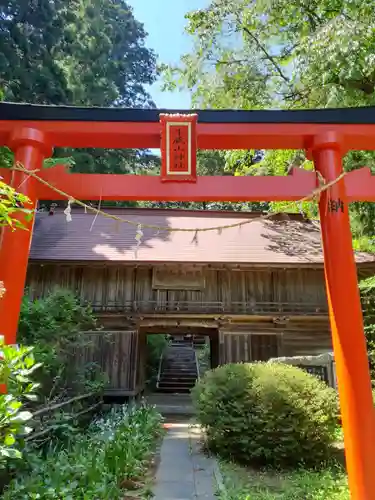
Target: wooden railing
{"points": [[173, 306], [197, 365], [159, 369]]}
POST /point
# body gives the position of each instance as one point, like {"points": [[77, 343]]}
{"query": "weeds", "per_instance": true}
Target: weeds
{"points": [[245, 484], [113, 456]]}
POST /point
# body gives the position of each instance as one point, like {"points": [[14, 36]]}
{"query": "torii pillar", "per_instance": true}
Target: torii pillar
{"points": [[30, 148], [345, 312]]}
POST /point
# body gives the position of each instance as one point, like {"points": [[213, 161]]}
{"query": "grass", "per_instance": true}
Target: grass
{"points": [[247, 484]]}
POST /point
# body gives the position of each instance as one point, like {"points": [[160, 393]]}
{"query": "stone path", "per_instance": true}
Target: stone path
{"points": [[184, 473], [171, 404]]}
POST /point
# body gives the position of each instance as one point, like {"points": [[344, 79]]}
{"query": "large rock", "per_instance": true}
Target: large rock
{"points": [[322, 365]]}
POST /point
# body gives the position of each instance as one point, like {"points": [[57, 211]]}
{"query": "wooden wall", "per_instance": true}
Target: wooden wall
{"points": [[245, 347], [119, 284], [119, 355], [261, 341]]}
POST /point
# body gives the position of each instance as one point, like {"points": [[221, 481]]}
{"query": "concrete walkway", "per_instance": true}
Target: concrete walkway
{"points": [[171, 404], [184, 473]]}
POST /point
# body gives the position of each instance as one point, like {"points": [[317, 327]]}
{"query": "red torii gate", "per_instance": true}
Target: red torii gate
{"points": [[32, 131]]}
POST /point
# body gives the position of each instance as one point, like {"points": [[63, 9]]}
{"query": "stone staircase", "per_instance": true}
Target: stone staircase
{"points": [[178, 370], [192, 340]]}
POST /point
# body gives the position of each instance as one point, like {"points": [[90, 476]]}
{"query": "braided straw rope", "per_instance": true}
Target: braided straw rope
{"points": [[314, 195]]}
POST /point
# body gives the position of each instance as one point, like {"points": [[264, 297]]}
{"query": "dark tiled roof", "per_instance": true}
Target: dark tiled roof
{"points": [[282, 240]]}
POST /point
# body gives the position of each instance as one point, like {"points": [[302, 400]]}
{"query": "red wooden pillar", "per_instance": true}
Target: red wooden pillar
{"points": [[29, 149], [346, 320]]}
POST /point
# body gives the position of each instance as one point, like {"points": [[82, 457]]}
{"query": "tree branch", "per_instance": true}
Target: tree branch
{"points": [[233, 61], [266, 53]]}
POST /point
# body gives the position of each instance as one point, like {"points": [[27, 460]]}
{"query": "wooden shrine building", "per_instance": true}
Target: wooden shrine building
{"points": [[256, 290]]}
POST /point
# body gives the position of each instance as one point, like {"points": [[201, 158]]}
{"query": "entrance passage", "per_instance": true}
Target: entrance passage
{"points": [[179, 369], [188, 354]]}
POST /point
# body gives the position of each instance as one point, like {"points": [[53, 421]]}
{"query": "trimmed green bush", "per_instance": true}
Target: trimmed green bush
{"points": [[267, 414]]}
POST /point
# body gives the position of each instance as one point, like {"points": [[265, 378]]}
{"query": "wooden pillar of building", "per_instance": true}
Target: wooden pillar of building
{"points": [[29, 150], [346, 321]]}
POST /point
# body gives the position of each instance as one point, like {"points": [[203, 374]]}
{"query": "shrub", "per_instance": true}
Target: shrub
{"points": [[267, 414], [204, 359], [17, 365], [367, 290], [156, 344], [53, 325]]}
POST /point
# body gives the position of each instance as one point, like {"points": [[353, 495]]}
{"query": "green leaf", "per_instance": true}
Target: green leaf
{"points": [[9, 440], [23, 416], [32, 397], [10, 452]]}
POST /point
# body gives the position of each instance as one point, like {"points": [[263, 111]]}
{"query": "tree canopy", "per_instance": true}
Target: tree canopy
{"points": [[77, 52], [280, 53], [74, 52], [284, 54]]}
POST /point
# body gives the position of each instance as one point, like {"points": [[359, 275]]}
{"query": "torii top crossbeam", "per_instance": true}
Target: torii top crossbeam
{"points": [[32, 131], [140, 128]]}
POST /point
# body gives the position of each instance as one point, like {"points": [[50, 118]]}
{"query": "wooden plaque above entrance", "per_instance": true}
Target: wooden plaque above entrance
{"points": [[176, 279], [179, 147]]}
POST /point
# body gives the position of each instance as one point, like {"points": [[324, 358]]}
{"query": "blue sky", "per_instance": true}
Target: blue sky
{"points": [[164, 21]]}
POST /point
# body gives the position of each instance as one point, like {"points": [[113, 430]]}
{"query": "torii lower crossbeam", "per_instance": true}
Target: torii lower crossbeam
{"points": [[32, 131]]}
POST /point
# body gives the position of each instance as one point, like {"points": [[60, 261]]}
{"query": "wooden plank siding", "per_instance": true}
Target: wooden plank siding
{"points": [[116, 285], [257, 343], [245, 347], [118, 354]]}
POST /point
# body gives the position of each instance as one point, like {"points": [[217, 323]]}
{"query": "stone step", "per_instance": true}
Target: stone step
{"points": [[180, 352], [179, 361], [180, 346], [185, 371], [177, 376], [180, 349], [179, 366], [175, 386], [182, 355], [178, 370], [174, 390], [178, 380], [182, 368], [178, 373]]}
